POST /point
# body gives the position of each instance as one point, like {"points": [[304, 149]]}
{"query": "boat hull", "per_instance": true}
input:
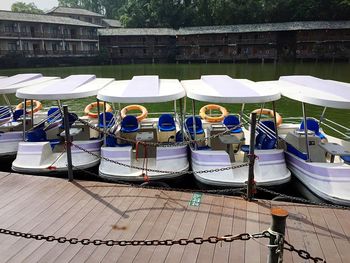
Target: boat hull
{"points": [[38, 157], [9, 142], [329, 181], [270, 169], [170, 163]]}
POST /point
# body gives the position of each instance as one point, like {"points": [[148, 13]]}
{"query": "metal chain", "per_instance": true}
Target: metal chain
{"points": [[241, 190], [156, 242], [302, 200], [302, 253], [157, 143], [161, 171]]}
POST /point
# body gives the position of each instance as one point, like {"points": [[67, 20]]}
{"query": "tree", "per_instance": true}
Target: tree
{"points": [[26, 8]]}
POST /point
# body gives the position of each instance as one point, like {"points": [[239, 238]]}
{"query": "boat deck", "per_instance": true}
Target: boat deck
{"points": [[95, 210]]}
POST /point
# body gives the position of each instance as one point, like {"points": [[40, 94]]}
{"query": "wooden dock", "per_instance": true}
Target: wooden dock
{"points": [[95, 210]]}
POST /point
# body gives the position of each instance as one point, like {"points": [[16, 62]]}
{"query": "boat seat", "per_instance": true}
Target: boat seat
{"points": [[5, 112], [232, 121], [198, 125], [54, 115], [346, 159], [263, 141], [72, 117], [17, 114], [110, 120], [37, 135], [166, 123], [129, 124], [313, 126], [296, 152]]}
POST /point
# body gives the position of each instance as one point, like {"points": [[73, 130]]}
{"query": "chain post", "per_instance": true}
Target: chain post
{"points": [[278, 225], [68, 142], [251, 158]]}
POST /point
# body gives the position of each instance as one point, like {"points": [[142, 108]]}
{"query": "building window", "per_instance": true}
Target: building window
{"points": [[121, 52], [12, 46], [54, 47], [144, 51], [25, 45], [9, 28]]}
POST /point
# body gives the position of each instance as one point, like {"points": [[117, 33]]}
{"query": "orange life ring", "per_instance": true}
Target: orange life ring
{"points": [[90, 106], [38, 106], [270, 113], [141, 108], [208, 118]]}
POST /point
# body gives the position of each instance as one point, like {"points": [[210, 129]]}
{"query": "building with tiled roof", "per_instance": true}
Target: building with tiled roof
{"points": [[77, 13]]}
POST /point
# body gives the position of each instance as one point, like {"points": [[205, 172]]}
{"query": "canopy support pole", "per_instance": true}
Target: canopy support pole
{"points": [[305, 132], [98, 114], [104, 124], [68, 143], [181, 120], [24, 119], [322, 116], [275, 120], [32, 113], [194, 123]]}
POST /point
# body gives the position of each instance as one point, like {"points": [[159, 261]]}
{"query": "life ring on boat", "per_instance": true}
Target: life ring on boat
{"points": [[38, 106], [204, 116], [270, 113], [141, 108], [93, 105]]}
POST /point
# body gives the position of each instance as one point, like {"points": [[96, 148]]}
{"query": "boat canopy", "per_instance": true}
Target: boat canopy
{"points": [[10, 85], [316, 91], [142, 89], [72, 87], [224, 89]]}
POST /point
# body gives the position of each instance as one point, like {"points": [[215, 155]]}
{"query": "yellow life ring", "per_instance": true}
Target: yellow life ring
{"points": [[90, 106], [208, 118], [38, 106], [141, 108], [270, 113]]}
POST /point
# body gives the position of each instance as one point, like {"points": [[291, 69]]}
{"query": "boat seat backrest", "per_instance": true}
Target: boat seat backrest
{"points": [[37, 135], [5, 112], [312, 125], [54, 114], [198, 125], [231, 121], [129, 124], [17, 114], [166, 123], [265, 140], [110, 120]]}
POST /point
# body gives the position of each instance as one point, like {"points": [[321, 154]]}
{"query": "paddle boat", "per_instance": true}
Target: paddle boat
{"points": [[320, 161], [219, 141], [11, 118], [43, 149], [141, 148]]}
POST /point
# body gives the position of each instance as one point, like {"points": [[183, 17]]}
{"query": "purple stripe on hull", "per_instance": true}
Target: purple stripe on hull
{"points": [[210, 158], [117, 154], [327, 172], [11, 136], [270, 157], [164, 153]]}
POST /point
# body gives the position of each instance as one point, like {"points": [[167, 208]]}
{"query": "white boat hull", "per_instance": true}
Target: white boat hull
{"points": [[329, 181], [270, 169], [38, 157], [9, 142], [169, 163]]}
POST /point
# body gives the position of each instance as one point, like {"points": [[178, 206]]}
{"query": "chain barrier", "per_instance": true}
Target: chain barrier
{"points": [[161, 171], [185, 143], [302, 200], [165, 242]]}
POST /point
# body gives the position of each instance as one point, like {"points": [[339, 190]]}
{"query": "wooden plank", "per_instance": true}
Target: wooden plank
{"points": [[191, 251], [324, 235], [222, 249], [172, 204], [237, 249], [252, 227], [137, 217], [161, 252], [340, 238], [264, 212], [133, 200], [77, 208], [206, 251]]}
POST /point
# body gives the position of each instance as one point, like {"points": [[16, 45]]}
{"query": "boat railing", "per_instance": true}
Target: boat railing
{"points": [[345, 132]]}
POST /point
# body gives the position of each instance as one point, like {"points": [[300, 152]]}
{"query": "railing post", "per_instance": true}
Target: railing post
{"points": [[68, 143], [278, 225], [250, 188]]}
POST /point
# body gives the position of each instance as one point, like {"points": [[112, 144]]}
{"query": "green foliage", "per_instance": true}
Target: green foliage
{"points": [[22, 7], [180, 13]]}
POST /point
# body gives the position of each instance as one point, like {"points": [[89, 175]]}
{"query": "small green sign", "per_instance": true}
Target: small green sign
{"points": [[196, 199]]}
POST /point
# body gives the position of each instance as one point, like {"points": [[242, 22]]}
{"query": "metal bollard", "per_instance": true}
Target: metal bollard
{"points": [[68, 143], [278, 225]]}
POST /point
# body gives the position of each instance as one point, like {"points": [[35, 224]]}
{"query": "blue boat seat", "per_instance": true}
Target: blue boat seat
{"points": [[263, 141], [17, 114], [166, 123], [232, 121], [110, 120], [37, 135], [346, 159], [72, 117], [5, 112], [190, 126], [54, 115], [129, 124], [313, 125], [296, 152]]}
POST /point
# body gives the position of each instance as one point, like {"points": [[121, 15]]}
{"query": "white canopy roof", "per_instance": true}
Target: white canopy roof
{"points": [[72, 87], [142, 89], [308, 89], [11, 84], [224, 89]]}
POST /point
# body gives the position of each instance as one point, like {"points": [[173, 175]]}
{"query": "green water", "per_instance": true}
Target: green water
{"points": [[256, 72]]}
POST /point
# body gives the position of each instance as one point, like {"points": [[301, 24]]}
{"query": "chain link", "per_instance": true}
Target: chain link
{"points": [[301, 253], [302, 200]]}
